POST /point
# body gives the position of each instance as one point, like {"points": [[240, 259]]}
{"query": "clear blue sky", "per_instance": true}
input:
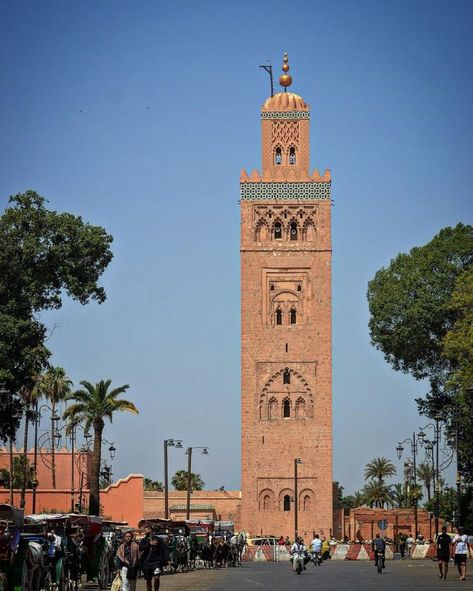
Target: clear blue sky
{"points": [[139, 116]]}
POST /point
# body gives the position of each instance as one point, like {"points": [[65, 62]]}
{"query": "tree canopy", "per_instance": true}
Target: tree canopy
{"points": [[410, 303], [421, 309], [44, 256]]}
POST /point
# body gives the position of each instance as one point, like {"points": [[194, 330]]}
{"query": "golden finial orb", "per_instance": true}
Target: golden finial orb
{"points": [[285, 79]]}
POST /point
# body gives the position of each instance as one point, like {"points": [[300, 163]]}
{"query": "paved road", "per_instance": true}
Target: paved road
{"points": [[335, 575]]}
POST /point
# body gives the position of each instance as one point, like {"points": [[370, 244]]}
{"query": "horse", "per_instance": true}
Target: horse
{"points": [[207, 553], [180, 555], [35, 572]]}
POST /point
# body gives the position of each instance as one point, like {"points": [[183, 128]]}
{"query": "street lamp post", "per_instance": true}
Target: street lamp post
{"points": [[297, 461], [429, 448], [168, 443], [399, 450], [205, 451]]}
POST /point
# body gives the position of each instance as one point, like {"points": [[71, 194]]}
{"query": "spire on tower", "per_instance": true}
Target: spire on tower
{"points": [[285, 79]]}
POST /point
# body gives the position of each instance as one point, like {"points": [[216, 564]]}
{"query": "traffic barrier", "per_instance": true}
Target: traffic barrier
{"points": [[420, 551], [341, 551]]}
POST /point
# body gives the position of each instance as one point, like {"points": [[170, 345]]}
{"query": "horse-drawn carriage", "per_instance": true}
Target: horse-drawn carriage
{"points": [[11, 566], [64, 547]]}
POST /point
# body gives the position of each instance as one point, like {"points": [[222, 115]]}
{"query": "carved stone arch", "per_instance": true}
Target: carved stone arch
{"points": [[306, 499], [282, 499], [273, 408], [263, 405], [300, 408], [292, 155], [262, 231], [294, 229], [309, 232], [266, 500], [278, 155]]}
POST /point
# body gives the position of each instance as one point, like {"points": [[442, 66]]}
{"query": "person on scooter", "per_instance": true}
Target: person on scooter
{"points": [[379, 547], [298, 548], [316, 549]]}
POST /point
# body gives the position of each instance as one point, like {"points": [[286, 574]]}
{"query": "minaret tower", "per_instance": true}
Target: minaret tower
{"points": [[286, 330]]}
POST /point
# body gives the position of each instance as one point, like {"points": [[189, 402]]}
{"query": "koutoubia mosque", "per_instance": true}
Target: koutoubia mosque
{"points": [[286, 393], [286, 352]]}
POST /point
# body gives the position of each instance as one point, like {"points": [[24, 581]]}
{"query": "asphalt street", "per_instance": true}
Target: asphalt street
{"points": [[335, 575]]}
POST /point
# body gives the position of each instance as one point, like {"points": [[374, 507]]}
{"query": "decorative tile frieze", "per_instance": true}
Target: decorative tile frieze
{"points": [[284, 191], [285, 115]]}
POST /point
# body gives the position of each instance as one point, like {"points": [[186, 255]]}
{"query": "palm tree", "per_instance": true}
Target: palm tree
{"points": [[179, 481], [55, 386], [92, 405], [398, 494], [377, 494], [425, 473], [149, 484], [379, 468]]}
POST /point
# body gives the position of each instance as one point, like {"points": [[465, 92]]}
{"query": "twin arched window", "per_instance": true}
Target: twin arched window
{"points": [[293, 231], [291, 156]]}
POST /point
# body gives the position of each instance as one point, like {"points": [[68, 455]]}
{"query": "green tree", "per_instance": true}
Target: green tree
{"points": [[399, 497], [54, 385], [92, 405], [409, 302], [179, 481], [377, 494], [420, 307], [379, 468], [20, 468], [425, 473], [44, 256], [149, 484]]}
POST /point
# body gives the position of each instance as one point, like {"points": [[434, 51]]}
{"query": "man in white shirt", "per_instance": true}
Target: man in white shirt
{"points": [[316, 549], [461, 550]]}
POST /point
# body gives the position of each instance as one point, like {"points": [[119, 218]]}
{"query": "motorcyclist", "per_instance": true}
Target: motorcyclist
{"points": [[299, 548], [379, 547], [316, 547]]}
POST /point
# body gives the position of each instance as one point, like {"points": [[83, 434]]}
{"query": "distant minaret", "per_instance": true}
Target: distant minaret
{"points": [[286, 304]]}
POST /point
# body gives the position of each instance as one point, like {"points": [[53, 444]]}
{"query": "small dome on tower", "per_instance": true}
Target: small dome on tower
{"points": [[285, 101]]}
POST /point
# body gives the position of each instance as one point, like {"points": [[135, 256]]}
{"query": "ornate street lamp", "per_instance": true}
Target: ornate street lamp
{"points": [[177, 443]]}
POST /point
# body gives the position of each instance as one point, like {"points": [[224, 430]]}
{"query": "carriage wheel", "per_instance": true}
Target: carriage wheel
{"points": [[104, 571]]}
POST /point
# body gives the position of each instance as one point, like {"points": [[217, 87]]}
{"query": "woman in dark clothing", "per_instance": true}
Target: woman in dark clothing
{"points": [[153, 560]]}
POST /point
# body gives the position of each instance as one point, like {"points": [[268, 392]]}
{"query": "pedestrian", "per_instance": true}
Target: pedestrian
{"points": [[287, 541], [461, 550], [128, 558], [144, 542], [153, 560], [443, 552], [281, 541], [402, 545], [410, 546]]}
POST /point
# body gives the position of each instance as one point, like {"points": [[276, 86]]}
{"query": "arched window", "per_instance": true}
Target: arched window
{"points": [[292, 156], [293, 316], [293, 231], [279, 316], [272, 409], [277, 156], [286, 377], [266, 502], [286, 409], [299, 287], [277, 231], [306, 503], [287, 503]]}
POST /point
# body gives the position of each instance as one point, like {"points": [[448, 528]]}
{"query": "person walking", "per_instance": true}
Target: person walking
{"points": [[461, 550], [128, 558], [443, 552], [402, 545], [410, 546], [153, 560]]}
